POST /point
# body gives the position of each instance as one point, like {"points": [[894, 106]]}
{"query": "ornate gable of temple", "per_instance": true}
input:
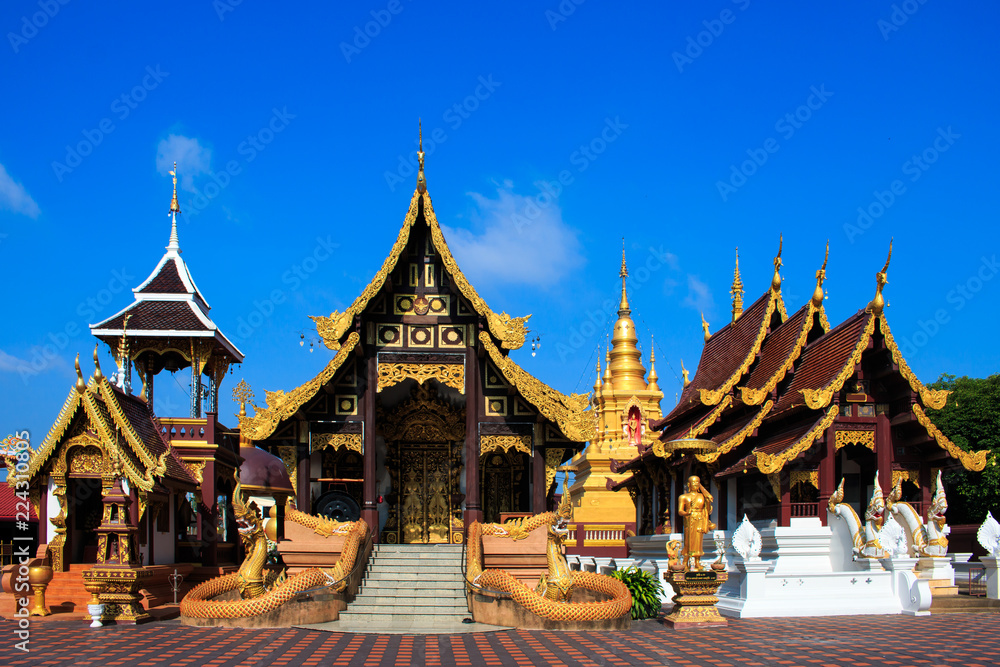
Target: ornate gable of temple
{"points": [[421, 314]]}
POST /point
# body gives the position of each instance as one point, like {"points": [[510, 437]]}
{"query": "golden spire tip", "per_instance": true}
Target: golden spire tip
{"points": [[881, 280], [421, 181], [98, 375], [737, 289], [818, 296], [776, 280], [81, 386], [704, 327]]}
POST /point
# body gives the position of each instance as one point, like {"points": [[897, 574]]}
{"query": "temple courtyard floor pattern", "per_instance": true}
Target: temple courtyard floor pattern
{"points": [[959, 639]]}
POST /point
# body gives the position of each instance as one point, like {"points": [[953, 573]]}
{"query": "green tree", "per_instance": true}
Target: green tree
{"points": [[971, 419]]}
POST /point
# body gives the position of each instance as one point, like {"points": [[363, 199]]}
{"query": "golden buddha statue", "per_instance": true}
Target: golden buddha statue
{"points": [[696, 507]]}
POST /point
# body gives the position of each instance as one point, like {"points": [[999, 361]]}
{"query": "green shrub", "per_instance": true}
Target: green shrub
{"points": [[645, 589]]}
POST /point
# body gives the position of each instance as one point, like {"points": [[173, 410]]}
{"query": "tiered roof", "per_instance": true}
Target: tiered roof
{"points": [[124, 425], [780, 398], [167, 304]]}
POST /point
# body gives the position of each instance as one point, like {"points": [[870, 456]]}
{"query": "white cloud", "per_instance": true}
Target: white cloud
{"points": [[11, 364], [191, 157], [517, 239], [699, 296], [14, 197]]}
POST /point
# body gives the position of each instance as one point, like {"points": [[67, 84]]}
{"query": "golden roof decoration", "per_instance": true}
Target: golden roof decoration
{"points": [[776, 280], [818, 296], [685, 373], [881, 280], [510, 331], [281, 405], [704, 327], [932, 398], [819, 398], [752, 396], [653, 377], [737, 289], [772, 463], [713, 396], [570, 413], [737, 438], [974, 461], [118, 432]]}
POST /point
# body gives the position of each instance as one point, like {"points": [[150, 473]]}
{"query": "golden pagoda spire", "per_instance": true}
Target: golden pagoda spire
{"points": [[685, 373], [125, 370], [597, 381], [704, 327], [627, 371], [607, 369], [881, 279], [737, 289], [653, 377], [820, 277], [421, 181], [175, 210], [623, 274], [776, 280]]}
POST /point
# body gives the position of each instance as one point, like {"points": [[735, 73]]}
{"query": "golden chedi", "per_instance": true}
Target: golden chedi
{"points": [[624, 400]]}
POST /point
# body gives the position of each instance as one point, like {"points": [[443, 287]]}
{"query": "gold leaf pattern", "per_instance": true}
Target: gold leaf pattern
{"points": [[713, 396], [281, 405], [844, 438], [505, 443], [932, 398], [352, 441], [974, 461], [817, 399], [771, 463], [453, 375], [737, 439], [570, 413]]}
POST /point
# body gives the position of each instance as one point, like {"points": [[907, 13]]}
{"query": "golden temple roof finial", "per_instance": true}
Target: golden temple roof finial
{"points": [[704, 327], [98, 375], [685, 373], [881, 279], [776, 280], [820, 277], [175, 209], [242, 394], [653, 377], [737, 289], [81, 386], [623, 308], [607, 367], [597, 381], [421, 181]]}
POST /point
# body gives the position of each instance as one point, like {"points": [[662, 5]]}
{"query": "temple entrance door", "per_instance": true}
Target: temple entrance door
{"points": [[425, 493], [84, 502], [505, 484]]}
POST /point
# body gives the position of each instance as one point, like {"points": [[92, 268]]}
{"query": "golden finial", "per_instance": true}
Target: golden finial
{"points": [[623, 274], [820, 277], [421, 181], [242, 394], [704, 327], [98, 375], [81, 386], [685, 373], [881, 279], [653, 377], [737, 289], [175, 209], [123, 347], [607, 367], [597, 381], [776, 280]]}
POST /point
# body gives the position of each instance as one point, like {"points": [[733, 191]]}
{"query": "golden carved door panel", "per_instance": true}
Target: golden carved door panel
{"points": [[426, 494]]}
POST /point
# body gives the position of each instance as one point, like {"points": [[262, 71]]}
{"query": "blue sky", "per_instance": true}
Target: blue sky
{"points": [[687, 128]]}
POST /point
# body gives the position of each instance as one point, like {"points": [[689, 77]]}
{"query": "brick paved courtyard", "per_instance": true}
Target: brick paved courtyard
{"points": [[958, 639]]}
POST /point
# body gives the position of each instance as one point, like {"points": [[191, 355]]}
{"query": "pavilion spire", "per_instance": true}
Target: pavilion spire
{"points": [[175, 210], [737, 289], [421, 181]]}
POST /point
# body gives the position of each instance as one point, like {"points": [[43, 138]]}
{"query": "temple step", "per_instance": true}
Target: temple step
{"points": [[404, 581]]}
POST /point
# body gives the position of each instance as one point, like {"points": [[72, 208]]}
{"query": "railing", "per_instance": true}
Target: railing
{"points": [[186, 428], [976, 584], [804, 510]]}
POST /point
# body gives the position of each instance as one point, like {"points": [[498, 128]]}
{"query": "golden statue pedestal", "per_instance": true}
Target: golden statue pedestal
{"points": [[695, 599]]}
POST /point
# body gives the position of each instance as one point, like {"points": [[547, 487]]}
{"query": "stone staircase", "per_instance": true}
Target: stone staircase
{"points": [[408, 585]]}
